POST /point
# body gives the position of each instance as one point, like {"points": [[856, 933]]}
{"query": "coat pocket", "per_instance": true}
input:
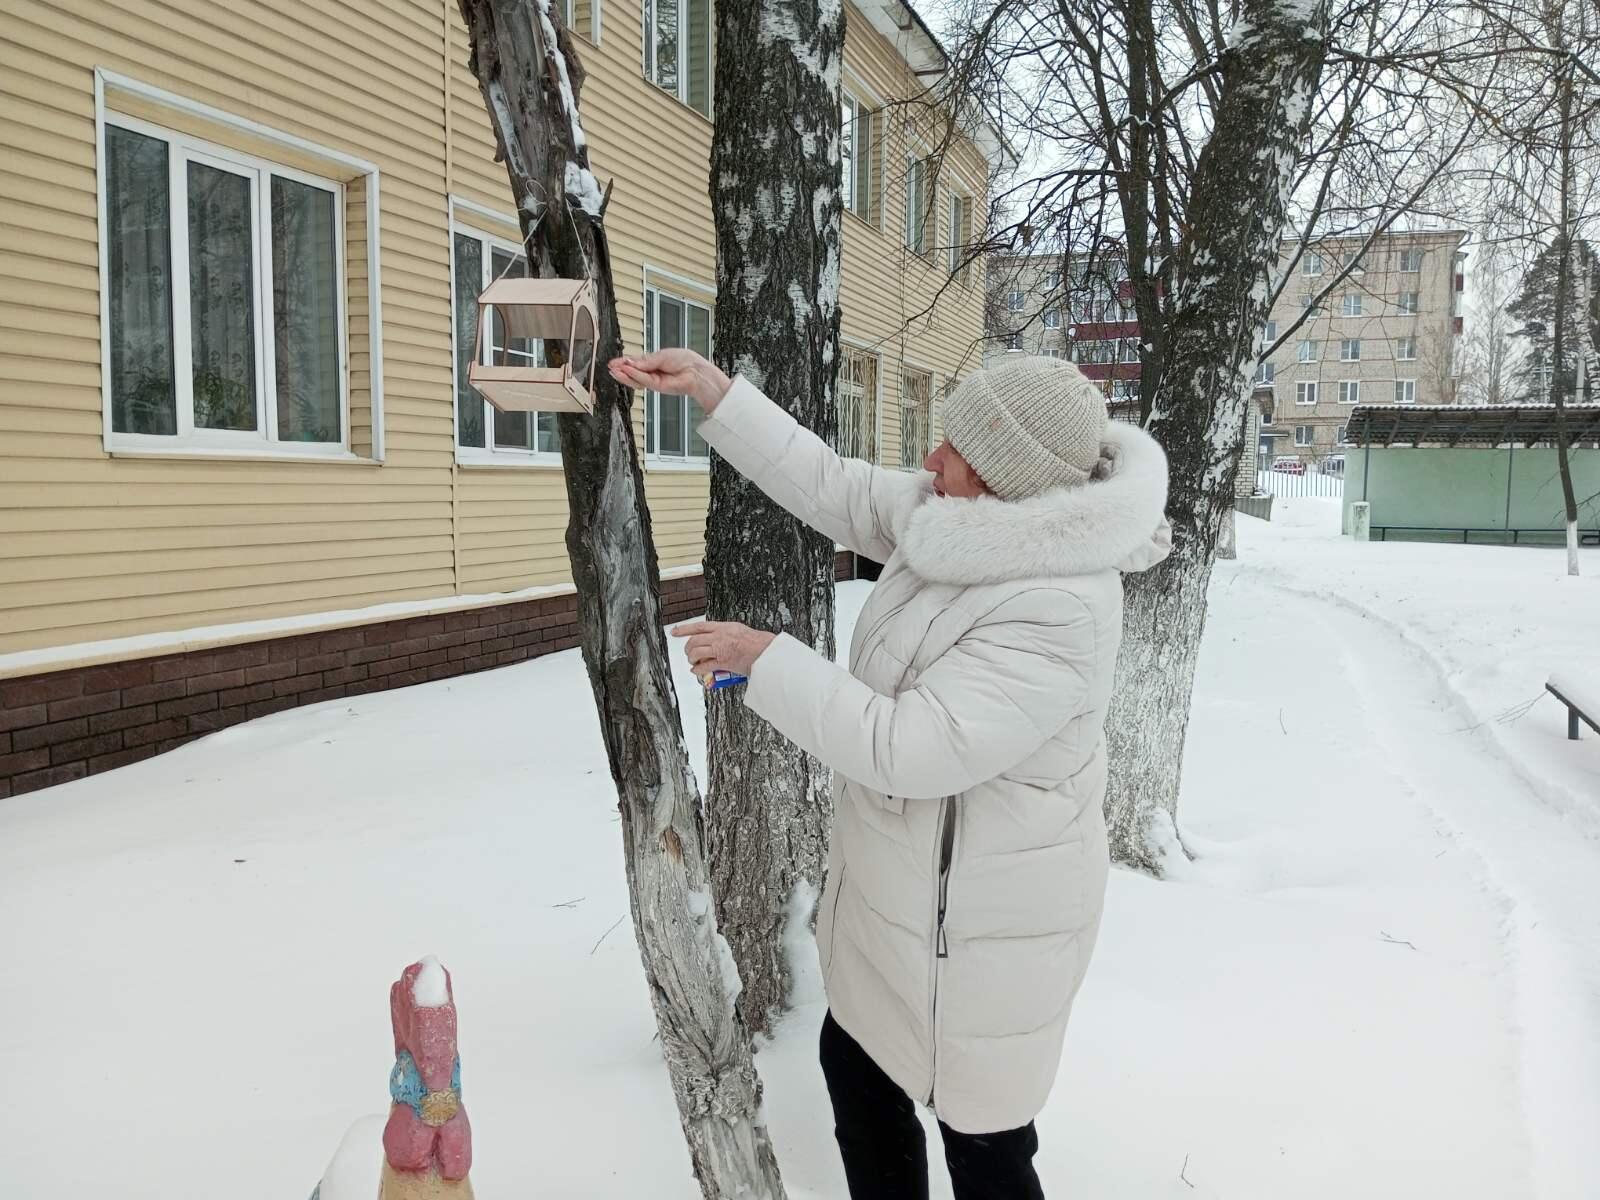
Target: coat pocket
{"points": [[826, 944]]}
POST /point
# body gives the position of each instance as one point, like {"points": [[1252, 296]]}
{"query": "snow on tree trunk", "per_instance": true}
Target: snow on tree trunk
{"points": [[530, 78], [775, 193], [1270, 73], [1227, 539]]}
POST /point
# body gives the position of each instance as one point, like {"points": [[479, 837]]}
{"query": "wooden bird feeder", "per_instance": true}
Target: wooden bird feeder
{"points": [[560, 315]]}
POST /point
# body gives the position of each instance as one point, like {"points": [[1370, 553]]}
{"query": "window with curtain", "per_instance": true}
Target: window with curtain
{"points": [[916, 417], [478, 260], [677, 50], [226, 296], [669, 420]]}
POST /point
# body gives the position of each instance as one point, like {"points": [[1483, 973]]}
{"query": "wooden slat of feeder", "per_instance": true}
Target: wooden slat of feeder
{"points": [[535, 308], [525, 389]]}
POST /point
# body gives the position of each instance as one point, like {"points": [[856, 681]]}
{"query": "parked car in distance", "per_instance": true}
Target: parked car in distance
{"points": [[1289, 466]]}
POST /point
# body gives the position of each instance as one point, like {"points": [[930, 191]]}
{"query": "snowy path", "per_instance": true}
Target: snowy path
{"points": [[212, 933], [1507, 828]]}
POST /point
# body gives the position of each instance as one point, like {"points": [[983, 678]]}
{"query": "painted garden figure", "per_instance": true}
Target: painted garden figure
{"points": [[968, 862]]}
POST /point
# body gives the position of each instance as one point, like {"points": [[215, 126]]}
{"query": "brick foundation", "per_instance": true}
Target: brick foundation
{"points": [[68, 724]]}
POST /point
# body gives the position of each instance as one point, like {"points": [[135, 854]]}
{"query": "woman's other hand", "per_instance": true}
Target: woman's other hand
{"points": [[723, 646], [674, 372]]}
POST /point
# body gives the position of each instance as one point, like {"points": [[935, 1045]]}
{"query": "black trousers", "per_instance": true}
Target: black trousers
{"points": [[885, 1154]]}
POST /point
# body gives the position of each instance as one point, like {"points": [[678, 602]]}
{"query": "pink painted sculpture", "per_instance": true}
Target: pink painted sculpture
{"points": [[427, 1143]]}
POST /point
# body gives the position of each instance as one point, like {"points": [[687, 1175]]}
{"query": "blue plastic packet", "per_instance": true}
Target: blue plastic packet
{"points": [[718, 680]]}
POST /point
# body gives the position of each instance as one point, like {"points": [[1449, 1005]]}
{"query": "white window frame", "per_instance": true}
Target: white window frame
{"points": [[1341, 436], [864, 111], [659, 282], [960, 202], [1409, 304], [1013, 340], [487, 455], [1307, 351], [183, 147], [1351, 306], [1051, 318], [1052, 281], [1349, 350], [1409, 256], [1305, 392], [647, 12], [847, 347], [1406, 387], [596, 19], [908, 366], [1269, 334], [1310, 438], [1350, 391], [1403, 344], [1130, 349], [927, 202], [1266, 374], [1311, 264], [1015, 301]]}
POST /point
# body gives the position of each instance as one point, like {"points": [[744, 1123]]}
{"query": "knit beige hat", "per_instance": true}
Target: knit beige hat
{"points": [[1027, 425]]}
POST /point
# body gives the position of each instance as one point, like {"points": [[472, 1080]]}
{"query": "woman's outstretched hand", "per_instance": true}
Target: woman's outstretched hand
{"points": [[723, 646], [675, 372]]}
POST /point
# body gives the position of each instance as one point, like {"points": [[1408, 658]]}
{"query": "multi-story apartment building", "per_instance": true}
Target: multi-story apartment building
{"points": [[1033, 309], [1387, 334], [238, 270]]}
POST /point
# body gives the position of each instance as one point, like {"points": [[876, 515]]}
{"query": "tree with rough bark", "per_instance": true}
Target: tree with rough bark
{"points": [[1184, 146], [777, 205], [1542, 176], [530, 78], [1239, 209]]}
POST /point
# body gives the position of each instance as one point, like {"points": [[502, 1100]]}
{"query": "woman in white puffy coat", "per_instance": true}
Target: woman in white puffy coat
{"points": [[968, 863]]}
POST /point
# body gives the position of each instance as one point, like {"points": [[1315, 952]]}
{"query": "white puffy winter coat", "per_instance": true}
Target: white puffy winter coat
{"points": [[968, 864]]}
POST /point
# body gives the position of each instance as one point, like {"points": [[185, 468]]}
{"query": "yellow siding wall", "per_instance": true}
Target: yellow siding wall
{"points": [[95, 547]]}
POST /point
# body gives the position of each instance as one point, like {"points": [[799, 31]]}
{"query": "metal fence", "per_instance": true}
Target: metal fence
{"points": [[1312, 483]]}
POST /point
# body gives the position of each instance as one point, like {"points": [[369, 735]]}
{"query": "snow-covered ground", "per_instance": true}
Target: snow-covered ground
{"points": [[1380, 977]]}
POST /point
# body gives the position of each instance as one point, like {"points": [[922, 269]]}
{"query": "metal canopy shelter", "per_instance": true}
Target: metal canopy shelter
{"points": [[1385, 425]]}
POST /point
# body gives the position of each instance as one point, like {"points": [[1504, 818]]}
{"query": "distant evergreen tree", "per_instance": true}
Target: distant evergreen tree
{"points": [[1536, 303]]}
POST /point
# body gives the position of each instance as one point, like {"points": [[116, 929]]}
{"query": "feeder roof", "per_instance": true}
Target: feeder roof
{"points": [[1468, 425], [519, 290]]}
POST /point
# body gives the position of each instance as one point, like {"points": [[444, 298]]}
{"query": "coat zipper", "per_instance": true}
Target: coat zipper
{"points": [[941, 945]]}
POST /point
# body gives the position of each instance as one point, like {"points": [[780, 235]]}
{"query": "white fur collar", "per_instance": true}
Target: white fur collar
{"points": [[1115, 520]]}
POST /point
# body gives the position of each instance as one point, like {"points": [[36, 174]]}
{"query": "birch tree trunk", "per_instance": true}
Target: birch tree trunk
{"points": [[775, 196], [1238, 205], [530, 78], [1564, 289]]}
